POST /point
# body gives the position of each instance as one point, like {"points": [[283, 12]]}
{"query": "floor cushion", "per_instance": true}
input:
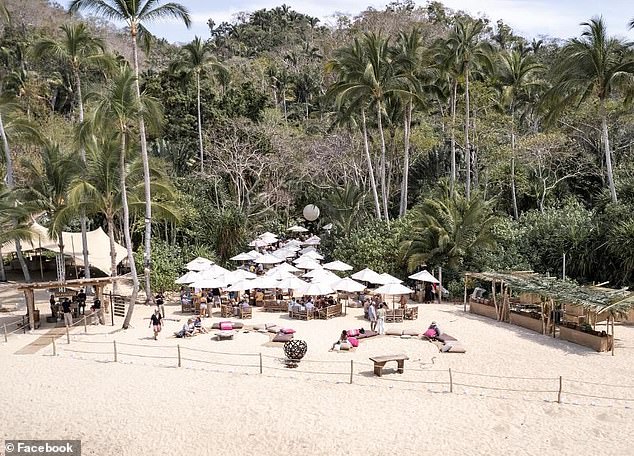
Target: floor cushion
{"points": [[287, 330], [370, 333], [273, 329], [394, 331], [353, 341], [453, 348], [280, 337], [344, 346], [446, 338], [411, 332]]}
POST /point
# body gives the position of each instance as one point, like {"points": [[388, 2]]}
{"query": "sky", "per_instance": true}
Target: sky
{"points": [[530, 18]]}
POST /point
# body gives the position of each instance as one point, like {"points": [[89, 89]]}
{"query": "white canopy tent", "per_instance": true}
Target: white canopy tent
{"points": [[338, 266], [284, 267], [98, 246], [424, 276], [349, 285], [387, 278], [367, 275], [242, 257], [297, 229], [189, 277]]}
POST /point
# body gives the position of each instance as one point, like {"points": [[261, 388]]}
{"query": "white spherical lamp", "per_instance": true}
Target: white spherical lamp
{"points": [[311, 212]]}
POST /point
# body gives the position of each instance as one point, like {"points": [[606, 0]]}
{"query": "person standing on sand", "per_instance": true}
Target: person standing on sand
{"points": [[68, 317], [372, 316], [156, 320], [53, 307], [380, 314]]}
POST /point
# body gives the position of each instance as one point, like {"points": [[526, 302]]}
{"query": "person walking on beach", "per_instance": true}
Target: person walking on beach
{"points": [[372, 316], [159, 300], [380, 314], [156, 320], [68, 317], [81, 302], [96, 308], [53, 306]]}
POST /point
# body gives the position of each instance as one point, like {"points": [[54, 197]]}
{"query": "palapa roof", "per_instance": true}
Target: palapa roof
{"points": [[593, 298]]}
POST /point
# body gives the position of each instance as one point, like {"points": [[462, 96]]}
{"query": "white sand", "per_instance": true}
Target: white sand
{"points": [[149, 406]]}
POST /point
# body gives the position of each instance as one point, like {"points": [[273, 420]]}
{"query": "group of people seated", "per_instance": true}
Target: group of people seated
{"points": [[192, 327], [307, 303], [237, 305]]}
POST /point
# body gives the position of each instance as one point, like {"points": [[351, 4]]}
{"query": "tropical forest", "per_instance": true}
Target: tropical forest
{"points": [[425, 136]]}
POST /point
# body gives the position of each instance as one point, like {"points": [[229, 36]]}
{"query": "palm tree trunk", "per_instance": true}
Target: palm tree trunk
{"points": [[466, 136], [407, 131], [606, 148], [3, 274], [366, 147], [452, 180], [383, 164], [513, 194], [11, 184], [146, 182], [82, 219], [61, 273], [113, 253], [200, 126], [128, 238]]}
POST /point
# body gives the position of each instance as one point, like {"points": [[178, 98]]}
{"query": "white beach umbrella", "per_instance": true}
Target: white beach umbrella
{"points": [[241, 285], [338, 266], [313, 240], [267, 234], [305, 250], [297, 229], [242, 257], [219, 282], [279, 275], [283, 253], [269, 259], [264, 282], [311, 256], [292, 283], [367, 275], [424, 276], [258, 243], [284, 267], [308, 264], [327, 227], [254, 254], [317, 289], [387, 278], [314, 273], [393, 289], [349, 285], [198, 264], [294, 242], [292, 248], [213, 271], [325, 276], [189, 277], [239, 274]]}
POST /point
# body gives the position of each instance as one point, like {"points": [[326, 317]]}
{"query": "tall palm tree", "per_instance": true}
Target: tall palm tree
{"points": [[465, 39], [76, 49], [47, 190], [136, 13], [516, 74], [13, 221], [348, 63], [119, 108], [197, 58], [594, 65], [449, 229]]}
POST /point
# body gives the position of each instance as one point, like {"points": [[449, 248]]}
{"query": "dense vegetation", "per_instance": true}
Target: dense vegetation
{"points": [[427, 137]]}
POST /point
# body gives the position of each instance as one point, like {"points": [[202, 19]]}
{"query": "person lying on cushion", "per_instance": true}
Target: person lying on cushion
{"points": [[343, 338], [433, 331]]}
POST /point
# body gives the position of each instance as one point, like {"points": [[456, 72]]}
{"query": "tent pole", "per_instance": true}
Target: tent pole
{"points": [[39, 239], [464, 304]]}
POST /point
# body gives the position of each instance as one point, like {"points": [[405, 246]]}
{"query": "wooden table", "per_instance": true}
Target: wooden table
{"points": [[379, 363]]}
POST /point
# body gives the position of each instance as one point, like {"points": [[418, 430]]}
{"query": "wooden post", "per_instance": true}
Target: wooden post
{"points": [[85, 326], [560, 388], [495, 302], [439, 285], [351, 370], [465, 294], [260, 362], [450, 381], [613, 338], [54, 350], [179, 355], [5, 332], [67, 335], [114, 344]]}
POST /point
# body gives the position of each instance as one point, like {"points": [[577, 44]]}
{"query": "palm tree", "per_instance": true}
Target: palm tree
{"points": [[465, 41], [47, 190], [516, 75], [13, 222], [119, 109], [135, 13], [448, 230], [594, 65], [196, 57], [77, 48]]}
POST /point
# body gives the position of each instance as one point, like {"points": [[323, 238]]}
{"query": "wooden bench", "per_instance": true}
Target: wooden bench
{"points": [[329, 312], [379, 363]]}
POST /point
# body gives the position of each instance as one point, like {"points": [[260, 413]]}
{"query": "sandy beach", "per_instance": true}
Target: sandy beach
{"points": [[219, 403]]}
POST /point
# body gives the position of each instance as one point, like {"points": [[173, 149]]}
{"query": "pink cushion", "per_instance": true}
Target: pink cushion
{"points": [[226, 326], [430, 333], [287, 331], [353, 332], [353, 341]]}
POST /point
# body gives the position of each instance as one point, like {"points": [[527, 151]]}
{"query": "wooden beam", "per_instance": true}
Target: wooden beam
{"points": [[30, 306]]}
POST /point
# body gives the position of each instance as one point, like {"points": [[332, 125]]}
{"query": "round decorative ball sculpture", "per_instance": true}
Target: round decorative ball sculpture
{"points": [[311, 212], [295, 350]]}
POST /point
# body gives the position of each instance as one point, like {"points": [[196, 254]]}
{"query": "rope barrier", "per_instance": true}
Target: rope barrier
{"points": [[147, 356], [569, 393], [146, 346], [218, 364], [503, 376], [599, 384], [219, 353], [506, 389]]}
